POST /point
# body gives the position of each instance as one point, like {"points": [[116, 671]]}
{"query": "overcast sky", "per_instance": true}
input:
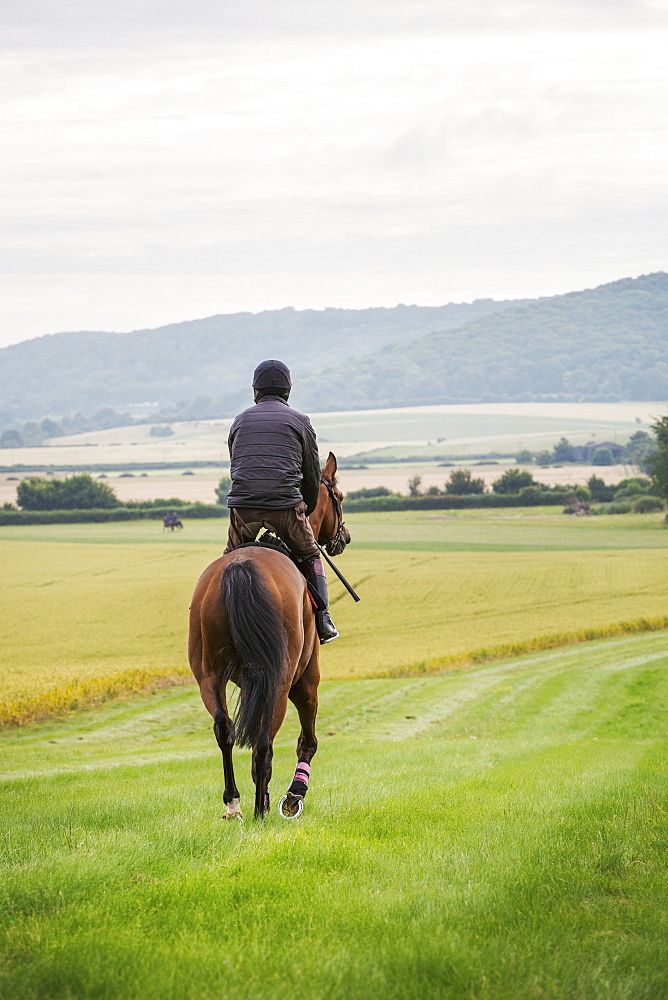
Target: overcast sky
{"points": [[164, 160]]}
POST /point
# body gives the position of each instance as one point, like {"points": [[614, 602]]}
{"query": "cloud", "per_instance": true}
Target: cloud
{"points": [[131, 23], [279, 155]]}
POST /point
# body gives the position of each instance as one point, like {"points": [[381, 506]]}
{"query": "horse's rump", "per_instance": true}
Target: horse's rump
{"points": [[259, 643]]}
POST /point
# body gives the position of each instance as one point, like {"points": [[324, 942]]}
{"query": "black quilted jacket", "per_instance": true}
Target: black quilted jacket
{"points": [[274, 457]]}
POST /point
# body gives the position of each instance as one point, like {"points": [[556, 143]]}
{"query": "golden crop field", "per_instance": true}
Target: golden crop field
{"points": [[90, 611]]}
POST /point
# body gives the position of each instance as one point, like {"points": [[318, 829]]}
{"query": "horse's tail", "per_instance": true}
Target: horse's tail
{"points": [[259, 641]]}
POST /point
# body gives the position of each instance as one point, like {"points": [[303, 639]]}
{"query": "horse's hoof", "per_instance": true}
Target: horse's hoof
{"points": [[233, 810], [291, 806]]}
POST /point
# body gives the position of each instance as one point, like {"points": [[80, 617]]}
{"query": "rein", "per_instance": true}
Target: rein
{"points": [[333, 546]]}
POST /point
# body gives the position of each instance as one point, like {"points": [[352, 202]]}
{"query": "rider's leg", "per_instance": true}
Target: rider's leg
{"points": [[243, 528], [294, 527], [314, 572]]}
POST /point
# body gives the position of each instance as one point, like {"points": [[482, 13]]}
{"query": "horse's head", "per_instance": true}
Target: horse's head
{"points": [[327, 518]]}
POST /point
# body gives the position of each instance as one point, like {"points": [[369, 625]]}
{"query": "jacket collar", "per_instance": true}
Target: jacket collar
{"points": [[274, 399]]}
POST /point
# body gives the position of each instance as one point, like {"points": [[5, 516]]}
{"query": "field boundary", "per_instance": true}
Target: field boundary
{"points": [[83, 694], [510, 650]]}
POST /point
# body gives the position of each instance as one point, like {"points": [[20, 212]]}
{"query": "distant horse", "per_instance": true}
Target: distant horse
{"points": [[252, 622], [171, 521]]}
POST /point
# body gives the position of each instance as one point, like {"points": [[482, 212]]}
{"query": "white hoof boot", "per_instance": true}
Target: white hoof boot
{"points": [[233, 810]]}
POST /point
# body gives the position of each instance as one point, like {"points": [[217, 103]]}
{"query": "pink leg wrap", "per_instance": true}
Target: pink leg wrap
{"points": [[302, 773]]}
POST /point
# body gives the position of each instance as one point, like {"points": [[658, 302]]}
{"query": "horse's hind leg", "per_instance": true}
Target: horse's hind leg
{"points": [[223, 729], [263, 755], [304, 696]]}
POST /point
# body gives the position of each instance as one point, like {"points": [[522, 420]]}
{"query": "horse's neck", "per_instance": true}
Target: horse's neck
{"points": [[319, 514]]}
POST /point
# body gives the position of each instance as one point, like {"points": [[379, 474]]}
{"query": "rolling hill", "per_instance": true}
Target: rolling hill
{"points": [[62, 373], [601, 345]]}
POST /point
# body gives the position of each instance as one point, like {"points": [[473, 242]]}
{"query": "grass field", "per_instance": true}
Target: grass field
{"points": [[452, 429], [94, 610], [497, 833]]}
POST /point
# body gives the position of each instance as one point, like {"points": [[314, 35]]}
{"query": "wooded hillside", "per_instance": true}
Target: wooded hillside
{"points": [[208, 361], [605, 344]]}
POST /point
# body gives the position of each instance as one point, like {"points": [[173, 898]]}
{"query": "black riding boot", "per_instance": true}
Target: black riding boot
{"points": [[314, 572]]}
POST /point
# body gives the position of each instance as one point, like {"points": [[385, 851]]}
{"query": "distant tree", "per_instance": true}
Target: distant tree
{"points": [[524, 457], [222, 489], [32, 435], [79, 492], [563, 451], [461, 483], [659, 460], [414, 486], [161, 431], [11, 439], [50, 428], [544, 458], [433, 491], [602, 456], [513, 481], [107, 418], [639, 449]]}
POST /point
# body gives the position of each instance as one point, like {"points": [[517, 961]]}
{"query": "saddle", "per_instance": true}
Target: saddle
{"points": [[268, 540]]}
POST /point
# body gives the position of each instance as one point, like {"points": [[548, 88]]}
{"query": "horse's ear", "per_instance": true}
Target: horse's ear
{"points": [[329, 472]]}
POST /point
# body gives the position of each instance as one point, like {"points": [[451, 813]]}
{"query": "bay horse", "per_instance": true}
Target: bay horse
{"points": [[252, 623]]}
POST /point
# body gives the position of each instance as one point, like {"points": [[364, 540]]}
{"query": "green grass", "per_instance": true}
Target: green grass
{"points": [[92, 611], [491, 834]]}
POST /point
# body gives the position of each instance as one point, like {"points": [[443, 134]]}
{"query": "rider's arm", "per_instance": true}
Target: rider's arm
{"points": [[310, 468]]}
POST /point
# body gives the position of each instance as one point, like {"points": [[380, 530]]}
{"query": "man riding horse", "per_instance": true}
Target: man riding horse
{"points": [[276, 477]]}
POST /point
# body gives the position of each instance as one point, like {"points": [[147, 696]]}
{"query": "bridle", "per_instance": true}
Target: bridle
{"points": [[335, 545]]}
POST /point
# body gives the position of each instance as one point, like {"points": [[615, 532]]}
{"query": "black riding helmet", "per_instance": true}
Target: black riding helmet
{"points": [[272, 377]]}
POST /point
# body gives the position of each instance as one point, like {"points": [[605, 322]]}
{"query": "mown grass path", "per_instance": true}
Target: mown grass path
{"points": [[492, 833]]}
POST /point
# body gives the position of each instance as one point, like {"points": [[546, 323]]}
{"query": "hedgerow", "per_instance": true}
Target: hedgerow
{"points": [[195, 511]]}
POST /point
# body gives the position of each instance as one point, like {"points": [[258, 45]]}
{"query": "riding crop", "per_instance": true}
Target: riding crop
{"points": [[341, 577]]}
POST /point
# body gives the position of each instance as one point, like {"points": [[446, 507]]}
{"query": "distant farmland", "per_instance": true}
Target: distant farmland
{"points": [[426, 431]]}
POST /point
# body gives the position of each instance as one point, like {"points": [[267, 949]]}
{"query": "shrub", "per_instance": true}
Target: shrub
{"points": [[79, 492], [544, 458], [635, 486], [513, 480], [371, 491], [620, 507], [461, 483], [532, 494], [647, 505], [599, 491]]}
